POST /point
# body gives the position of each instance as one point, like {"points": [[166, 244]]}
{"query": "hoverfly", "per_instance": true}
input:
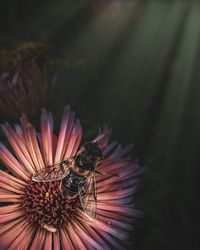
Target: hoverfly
{"points": [[77, 176]]}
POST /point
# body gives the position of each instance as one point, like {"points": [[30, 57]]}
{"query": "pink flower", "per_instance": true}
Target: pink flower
{"points": [[26, 79], [28, 207]]}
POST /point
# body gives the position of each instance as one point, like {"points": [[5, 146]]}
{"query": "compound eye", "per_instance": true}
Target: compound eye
{"points": [[98, 153], [89, 166]]}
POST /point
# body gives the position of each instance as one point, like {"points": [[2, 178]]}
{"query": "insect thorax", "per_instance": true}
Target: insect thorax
{"points": [[72, 183]]}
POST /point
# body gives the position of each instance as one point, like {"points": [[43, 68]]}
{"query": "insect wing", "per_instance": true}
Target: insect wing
{"points": [[87, 195], [53, 172]]}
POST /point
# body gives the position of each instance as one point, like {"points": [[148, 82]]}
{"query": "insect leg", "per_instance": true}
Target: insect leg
{"points": [[49, 228], [103, 173]]}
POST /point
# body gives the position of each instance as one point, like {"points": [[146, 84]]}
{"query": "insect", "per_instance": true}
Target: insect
{"points": [[77, 176]]}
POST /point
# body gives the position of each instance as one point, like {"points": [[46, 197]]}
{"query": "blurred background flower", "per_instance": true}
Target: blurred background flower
{"points": [[31, 211], [28, 74]]}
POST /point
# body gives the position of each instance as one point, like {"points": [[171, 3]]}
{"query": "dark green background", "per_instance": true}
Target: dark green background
{"points": [[135, 66]]}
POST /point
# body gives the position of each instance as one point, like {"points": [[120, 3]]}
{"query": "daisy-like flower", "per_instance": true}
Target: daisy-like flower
{"points": [[35, 215], [26, 79]]}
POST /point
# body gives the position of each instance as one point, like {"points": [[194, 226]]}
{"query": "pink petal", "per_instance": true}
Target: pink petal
{"points": [[124, 210], [9, 209], [117, 216], [121, 201], [13, 233], [103, 237], [110, 147], [116, 232], [133, 179], [83, 220], [78, 138], [10, 216], [30, 139], [116, 155], [18, 147], [38, 240], [9, 179], [47, 137], [75, 239], [23, 240], [115, 195], [114, 223], [124, 170], [6, 196], [103, 137], [74, 140], [9, 225], [19, 133], [56, 241], [86, 236], [65, 127], [106, 227], [33, 147], [11, 163], [114, 219], [121, 185], [65, 240], [8, 187], [119, 164], [125, 179], [48, 241], [112, 240]]}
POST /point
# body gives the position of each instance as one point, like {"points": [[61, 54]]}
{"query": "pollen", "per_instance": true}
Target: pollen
{"points": [[47, 195], [44, 204]]}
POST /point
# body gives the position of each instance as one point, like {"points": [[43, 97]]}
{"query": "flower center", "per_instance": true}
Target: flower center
{"points": [[44, 204]]}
